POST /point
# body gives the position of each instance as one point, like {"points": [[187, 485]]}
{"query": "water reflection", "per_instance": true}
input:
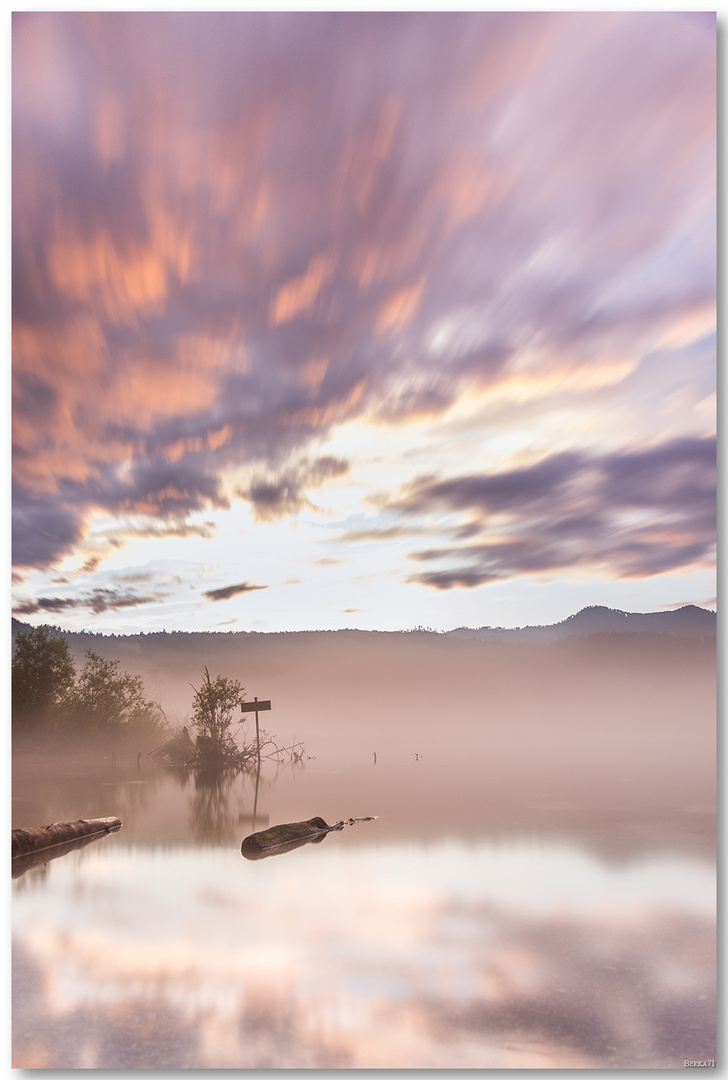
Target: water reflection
{"points": [[455, 956], [221, 802], [212, 818], [518, 914]]}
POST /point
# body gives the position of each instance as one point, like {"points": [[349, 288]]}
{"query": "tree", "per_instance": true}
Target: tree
{"points": [[42, 675], [107, 702], [217, 747], [212, 716]]}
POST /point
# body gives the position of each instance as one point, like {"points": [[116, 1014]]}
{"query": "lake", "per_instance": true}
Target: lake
{"points": [[507, 909]]}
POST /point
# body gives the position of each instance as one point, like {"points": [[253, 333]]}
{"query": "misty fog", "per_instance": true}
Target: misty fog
{"points": [[537, 889], [506, 737]]}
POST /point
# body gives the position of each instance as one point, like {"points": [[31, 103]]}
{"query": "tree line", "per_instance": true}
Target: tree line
{"points": [[48, 694], [51, 698]]}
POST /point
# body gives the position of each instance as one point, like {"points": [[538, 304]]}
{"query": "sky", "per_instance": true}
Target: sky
{"points": [[375, 320]]}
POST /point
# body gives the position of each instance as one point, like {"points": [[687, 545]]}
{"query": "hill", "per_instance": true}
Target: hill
{"points": [[688, 621]]}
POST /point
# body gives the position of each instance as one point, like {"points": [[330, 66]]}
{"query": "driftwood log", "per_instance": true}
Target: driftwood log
{"points": [[23, 863], [280, 838], [27, 841]]}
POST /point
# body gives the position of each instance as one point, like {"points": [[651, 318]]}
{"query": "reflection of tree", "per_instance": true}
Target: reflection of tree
{"points": [[181, 777], [222, 799], [225, 799], [212, 819]]}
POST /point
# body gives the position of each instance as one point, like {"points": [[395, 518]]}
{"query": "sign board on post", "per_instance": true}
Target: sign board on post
{"points": [[256, 707]]}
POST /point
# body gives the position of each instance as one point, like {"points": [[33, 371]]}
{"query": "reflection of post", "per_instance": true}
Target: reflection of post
{"points": [[255, 802]]}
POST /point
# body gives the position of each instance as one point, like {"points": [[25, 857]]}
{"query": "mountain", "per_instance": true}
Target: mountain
{"points": [[688, 621]]}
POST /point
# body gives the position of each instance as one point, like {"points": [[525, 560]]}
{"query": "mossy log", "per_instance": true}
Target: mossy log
{"points": [[280, 838], [26, 841]]}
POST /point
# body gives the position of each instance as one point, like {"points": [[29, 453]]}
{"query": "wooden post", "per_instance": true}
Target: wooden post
{"points": [[255, 706]]}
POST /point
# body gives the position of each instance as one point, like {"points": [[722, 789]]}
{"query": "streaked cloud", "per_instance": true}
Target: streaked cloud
{"points": [[238, 235], [44, 528], [97, 601], [229, 591], [285, 494], [638, 513], [389, 533]]}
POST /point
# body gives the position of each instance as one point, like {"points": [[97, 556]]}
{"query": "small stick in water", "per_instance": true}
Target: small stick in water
{"points": [[350, 821]]}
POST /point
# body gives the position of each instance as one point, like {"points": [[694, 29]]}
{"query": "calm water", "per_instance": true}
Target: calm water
{"points": [[509, 908]]}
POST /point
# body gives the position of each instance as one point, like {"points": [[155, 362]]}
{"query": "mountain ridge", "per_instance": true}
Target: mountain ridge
{"points": [[686, 621]]}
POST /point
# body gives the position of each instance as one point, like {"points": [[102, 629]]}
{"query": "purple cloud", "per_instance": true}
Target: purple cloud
{"points": [[229, 591], [43, 529], [97, 600], [235, 230], [286, 493], [575, 510]]}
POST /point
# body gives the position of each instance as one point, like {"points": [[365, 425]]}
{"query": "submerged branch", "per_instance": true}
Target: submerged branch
{"points": [[209, 753]]}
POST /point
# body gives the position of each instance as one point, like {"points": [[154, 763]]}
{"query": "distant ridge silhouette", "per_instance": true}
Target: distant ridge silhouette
{"points": [[687, 621]]}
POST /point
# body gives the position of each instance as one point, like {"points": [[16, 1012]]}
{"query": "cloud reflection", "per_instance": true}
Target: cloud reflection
{"points": [[377, 965]]}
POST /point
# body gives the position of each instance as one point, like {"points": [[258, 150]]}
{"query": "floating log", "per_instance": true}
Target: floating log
{"points": [[26, 841], [280, 838], [23, 863]]}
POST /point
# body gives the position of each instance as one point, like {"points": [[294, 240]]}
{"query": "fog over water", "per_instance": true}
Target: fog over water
{"points": [[578, 716], [538, 888]]}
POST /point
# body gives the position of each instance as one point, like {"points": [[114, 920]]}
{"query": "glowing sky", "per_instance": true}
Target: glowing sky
{"points": [[361, 319]]}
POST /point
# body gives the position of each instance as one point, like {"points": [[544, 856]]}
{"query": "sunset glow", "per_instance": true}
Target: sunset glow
{"points": [[370, 320]]}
